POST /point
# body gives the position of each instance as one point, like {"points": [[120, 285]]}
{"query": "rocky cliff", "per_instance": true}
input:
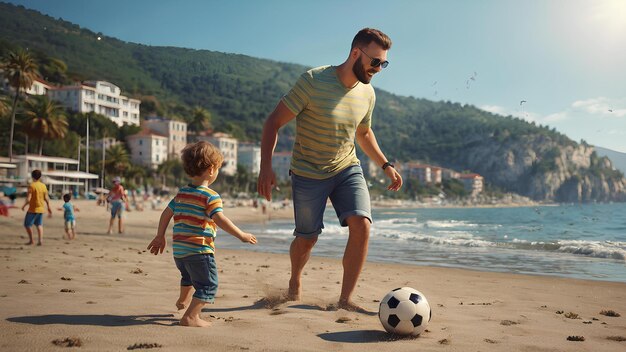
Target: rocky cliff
{"points": [[543, 169]]}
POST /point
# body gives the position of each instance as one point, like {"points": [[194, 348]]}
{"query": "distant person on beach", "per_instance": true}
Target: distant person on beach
{"points": [[332, 106], [35, 199], [119, 202], [197, 212], [68, 216]]}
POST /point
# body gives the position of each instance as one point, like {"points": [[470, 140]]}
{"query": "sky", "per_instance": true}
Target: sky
{"points": [[560, 63]]}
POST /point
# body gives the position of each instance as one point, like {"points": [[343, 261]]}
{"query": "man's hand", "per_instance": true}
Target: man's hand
{"points": [[266, 182], [157, 245], [394, 176]]}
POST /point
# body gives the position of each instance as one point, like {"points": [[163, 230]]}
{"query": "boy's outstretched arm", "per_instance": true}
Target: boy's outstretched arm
{"points": [[158, 243], [225, 224]]}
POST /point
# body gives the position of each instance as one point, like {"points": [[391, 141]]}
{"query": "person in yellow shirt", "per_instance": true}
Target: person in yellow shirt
{"points": [[37, 196]]}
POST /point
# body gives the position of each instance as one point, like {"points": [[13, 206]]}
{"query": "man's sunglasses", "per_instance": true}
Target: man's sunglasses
{"points": [[375, 61]]}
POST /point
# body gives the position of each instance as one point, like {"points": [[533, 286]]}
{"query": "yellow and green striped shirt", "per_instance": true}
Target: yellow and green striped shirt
{"points": [[327, 116]]}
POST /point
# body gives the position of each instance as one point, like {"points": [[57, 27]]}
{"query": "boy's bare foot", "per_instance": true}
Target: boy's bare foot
{"points": [[351, 307], [293, 294], [109, 232], [30, 243], [39, 243], [197, 322]]}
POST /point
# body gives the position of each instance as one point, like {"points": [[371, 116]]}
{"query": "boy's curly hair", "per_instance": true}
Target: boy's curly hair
{"points": [[199, 157]]}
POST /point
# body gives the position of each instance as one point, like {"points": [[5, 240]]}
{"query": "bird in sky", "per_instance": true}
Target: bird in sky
{"points": [[522, 102]]}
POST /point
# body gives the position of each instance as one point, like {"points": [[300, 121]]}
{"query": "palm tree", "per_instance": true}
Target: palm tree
{"points": [[170, 167], [20, 70], [44, 120], [117, 160], [4, 106], [200, 120]]}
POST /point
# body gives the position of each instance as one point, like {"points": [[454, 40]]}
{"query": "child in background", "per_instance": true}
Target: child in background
{"points": [[37, 196], [197, 212], [68, 215]]}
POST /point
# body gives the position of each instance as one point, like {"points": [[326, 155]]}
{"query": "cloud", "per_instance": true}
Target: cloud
{"points": [[601, 106]]}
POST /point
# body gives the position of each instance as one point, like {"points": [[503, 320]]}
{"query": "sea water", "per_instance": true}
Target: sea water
{"points": [[585, 241]]}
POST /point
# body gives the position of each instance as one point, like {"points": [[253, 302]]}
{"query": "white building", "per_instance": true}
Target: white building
{"points": [[281, 163], [107, 142], [59, 174], [175, 131], [39, 87], [249, 156], [100, 97], [472, 183], [147, 148], [228, 146]]}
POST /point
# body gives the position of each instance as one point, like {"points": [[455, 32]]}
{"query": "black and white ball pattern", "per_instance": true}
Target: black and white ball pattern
{"points": [[404, 311]]}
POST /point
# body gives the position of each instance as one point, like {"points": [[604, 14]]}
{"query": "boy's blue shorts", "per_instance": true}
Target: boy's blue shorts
{"points": [[33, 219], [199, 271], [347, 192]]}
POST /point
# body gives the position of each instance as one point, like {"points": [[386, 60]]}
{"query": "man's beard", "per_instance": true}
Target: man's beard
{"points": [[359, 71]]}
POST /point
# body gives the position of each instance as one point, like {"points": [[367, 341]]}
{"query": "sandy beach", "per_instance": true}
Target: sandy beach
{"points": [[109, 294]]}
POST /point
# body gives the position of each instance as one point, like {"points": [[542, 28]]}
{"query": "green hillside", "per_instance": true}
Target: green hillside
{"points": [[240, 91]]}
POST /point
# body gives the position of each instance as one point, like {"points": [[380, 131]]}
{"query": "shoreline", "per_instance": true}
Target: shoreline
{"points": [[108, 292]]}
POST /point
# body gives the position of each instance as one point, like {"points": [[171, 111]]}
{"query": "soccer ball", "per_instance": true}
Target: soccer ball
{"points": [[404, 311]]}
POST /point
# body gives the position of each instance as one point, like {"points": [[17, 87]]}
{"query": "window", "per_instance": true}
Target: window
{"points": [[140, 143]]}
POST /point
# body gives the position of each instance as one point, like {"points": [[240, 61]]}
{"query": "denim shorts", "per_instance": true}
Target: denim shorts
{"points": [[199, 271], [117, 209], [33, 219], [347, 192]]}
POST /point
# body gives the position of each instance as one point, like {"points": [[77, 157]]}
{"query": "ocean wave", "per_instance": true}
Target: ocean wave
{"points": [[452, 238], [597, 249], [449, 223]]}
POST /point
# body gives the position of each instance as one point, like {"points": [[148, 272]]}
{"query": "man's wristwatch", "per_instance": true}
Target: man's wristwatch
{"points": [[387, 164]]}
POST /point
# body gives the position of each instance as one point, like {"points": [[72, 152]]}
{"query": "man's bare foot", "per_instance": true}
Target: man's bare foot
{"points": [[197, 322], [351, 307], [39, 243], [293, 294], [30, 243], [109, 232]]}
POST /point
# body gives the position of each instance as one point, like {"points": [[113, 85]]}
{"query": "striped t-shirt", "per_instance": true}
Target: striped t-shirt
{"points": [[194, 231], [327, 116]]}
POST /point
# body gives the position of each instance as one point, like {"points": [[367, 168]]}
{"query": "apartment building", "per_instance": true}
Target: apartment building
{"points": [[249, 156], [472, 183], [175, 131], [39, 87], [421, 172], [228, 146], [148, 148], [100, 97], [281, 163]]}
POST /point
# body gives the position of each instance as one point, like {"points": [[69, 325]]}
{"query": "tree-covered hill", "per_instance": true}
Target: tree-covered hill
{"points": [[240, 91]]}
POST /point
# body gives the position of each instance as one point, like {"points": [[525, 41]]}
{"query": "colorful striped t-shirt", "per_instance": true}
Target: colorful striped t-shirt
{"points": [[327, 116], [194, 231]]}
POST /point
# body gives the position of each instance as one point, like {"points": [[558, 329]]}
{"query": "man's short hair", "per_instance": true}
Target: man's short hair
{"points": [[36, 174], [67, 197], [368, 35], [199, 157]]}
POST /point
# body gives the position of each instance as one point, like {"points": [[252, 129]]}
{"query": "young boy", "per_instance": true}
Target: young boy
{"points": [[37, 196], [197, 211], [68, 215]]}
